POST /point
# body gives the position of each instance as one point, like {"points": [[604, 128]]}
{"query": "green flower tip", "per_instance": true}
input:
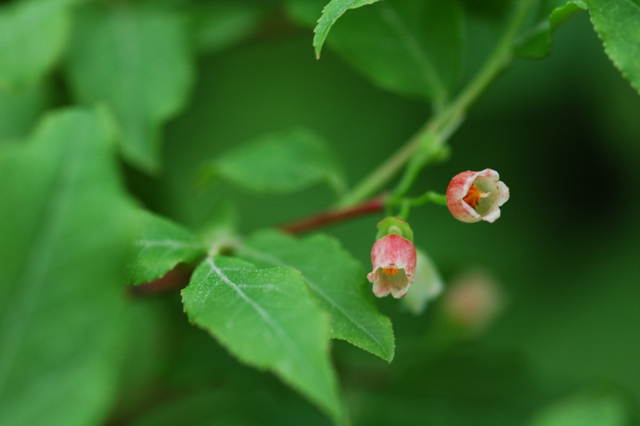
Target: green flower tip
{"points": [[393, 225]]}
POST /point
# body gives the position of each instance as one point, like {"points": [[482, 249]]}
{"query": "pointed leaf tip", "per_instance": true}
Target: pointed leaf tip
{"points": [[245, 307]]}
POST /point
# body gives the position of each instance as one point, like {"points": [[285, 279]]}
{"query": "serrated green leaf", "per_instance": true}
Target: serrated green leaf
{"points": [[411, 47], [64, 235], [33, 35], [330, 14], [537, 42], [588, 409], [134, 57], [267, 318], [159, 246], [335, 279], [617, 23], [281, 163]]}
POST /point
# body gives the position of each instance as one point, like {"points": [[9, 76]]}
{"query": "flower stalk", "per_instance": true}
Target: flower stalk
{"points": [[442, 124]]}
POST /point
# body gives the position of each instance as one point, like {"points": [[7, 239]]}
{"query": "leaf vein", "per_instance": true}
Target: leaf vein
{"points": [[167, 243], [259, 309], [277, 262], [39, 260]]}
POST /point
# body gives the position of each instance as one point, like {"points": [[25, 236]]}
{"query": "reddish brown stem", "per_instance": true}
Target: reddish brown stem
{"points": [[175, 279], [372, 206], [179, 277]]}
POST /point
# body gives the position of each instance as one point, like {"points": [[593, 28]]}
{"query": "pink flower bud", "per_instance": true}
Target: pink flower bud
{"points": [[476, 196], [394, 262]]}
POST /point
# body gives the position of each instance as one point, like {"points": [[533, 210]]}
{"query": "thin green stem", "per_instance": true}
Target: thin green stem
{"points": [[405, 209], [495, 64], [431, 150], [406, 204], [439, 126], [430, 197], [379, 176]]}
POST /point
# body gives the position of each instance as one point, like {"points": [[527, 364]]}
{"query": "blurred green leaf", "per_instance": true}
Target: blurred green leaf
{"points": [[330, 14], [411, 47], [537, 43], [590, 409], [64, 232], [220, 407], [219, 25], [146, 353], [427, 286], [335, 278], [20, 110], [281, 163], [221, 224], [268, 319], [160, 246], [464, 386], [33, 35], [617, 23], [134, 57]]}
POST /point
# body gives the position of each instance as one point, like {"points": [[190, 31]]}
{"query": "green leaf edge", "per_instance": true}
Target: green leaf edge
{"points": [[389, 355], [607, 48], [547, 28], [202, 249], [329, 17], [66, 19], [145, 162]]}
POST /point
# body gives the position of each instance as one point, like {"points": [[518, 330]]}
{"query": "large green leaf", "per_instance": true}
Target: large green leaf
{"points": [[617, 23], [268, 319], [33, 35], [65, 231], [280, 163], [160, 245], [335, 278], [551, 13], [330, 14], [134, 57], [412, 47]]}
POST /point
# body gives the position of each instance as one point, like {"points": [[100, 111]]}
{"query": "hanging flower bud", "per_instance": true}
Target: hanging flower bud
{"points": [[394, 259], [476, 196]]}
